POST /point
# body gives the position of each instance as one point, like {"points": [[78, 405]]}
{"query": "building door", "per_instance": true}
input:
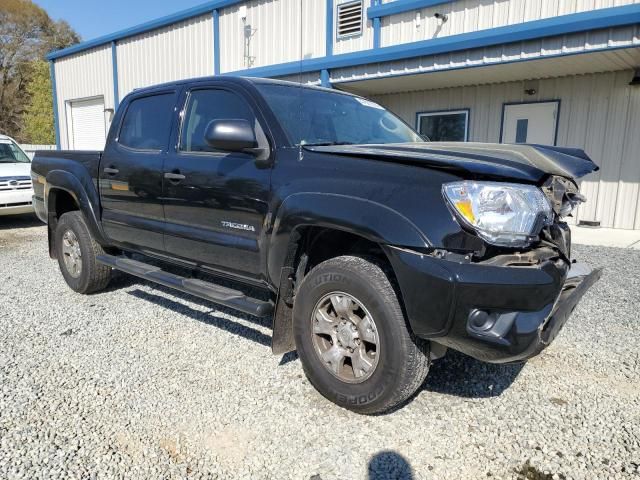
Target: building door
{"points": [[530, 123], [87, 126]]}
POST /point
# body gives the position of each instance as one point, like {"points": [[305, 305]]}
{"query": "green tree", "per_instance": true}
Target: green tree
{"points": [[38, 116], [27, 33]]}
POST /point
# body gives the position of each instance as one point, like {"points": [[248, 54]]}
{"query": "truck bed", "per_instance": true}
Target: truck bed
{"points": [[79, 166]]}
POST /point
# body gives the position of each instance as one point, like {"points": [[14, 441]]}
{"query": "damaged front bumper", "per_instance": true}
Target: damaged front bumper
{"points": [[497, 314], [523, 335]]}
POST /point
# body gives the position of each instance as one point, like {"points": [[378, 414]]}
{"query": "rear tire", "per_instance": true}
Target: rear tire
{"points": [[346, 306], [76, 251]]}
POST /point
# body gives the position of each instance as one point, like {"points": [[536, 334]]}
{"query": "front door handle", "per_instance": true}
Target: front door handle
{"points": [[174, 176], [111, 171]]}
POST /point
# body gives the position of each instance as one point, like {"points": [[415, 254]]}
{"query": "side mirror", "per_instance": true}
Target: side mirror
{"points": [[231, 135]]}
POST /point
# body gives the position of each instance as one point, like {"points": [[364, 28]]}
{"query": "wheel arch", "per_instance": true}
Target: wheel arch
{"points": [[369, 220], [311, 228], [65, 192]]}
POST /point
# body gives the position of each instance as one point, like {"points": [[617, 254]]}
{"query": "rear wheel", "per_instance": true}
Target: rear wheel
{"points": [[353, 339], [76, 251]]}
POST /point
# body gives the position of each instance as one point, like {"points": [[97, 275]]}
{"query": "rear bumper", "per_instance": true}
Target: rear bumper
{"points": [[492, 313]]}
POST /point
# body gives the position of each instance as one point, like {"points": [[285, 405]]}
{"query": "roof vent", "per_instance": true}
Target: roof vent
{"points": [[349, 19]]}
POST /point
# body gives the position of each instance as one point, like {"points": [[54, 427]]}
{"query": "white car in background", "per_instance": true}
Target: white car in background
{"points": [[16, 190]]}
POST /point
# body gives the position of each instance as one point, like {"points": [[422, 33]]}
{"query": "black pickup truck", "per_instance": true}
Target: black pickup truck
{"points": [[373, 249]]}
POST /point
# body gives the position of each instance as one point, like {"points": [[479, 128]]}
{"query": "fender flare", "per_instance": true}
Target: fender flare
{"points": [[85, 196], [367, 218]]}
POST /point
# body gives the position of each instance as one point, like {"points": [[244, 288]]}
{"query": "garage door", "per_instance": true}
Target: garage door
{"points": [[88, 129]]}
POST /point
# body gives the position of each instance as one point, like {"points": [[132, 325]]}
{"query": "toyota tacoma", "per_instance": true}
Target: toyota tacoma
{"points": [[373, 249]]}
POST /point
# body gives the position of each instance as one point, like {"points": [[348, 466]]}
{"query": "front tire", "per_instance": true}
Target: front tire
{"points": [[76, 251], [353, 339]]}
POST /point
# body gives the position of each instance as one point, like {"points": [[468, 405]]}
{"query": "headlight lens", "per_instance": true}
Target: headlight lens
{"points": [[505, 214]]}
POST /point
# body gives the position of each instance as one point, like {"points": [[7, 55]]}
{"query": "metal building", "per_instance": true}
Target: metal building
{"points": [[563, 72]]}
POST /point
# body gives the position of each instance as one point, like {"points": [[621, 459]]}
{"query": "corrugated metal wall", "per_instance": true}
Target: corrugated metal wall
{"points": [[599, 113], [183, 50], [281, 31], [84, 75], [472, 15]]}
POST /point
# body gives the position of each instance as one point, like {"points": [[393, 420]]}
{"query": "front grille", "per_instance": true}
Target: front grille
{"points": [[15, 183]]}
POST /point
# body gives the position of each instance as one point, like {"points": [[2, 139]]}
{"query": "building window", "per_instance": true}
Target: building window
{"points": [[446, 126], [349, 19]]}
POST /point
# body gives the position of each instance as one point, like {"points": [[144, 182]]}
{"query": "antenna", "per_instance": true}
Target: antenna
{"points": [[300, 56]]}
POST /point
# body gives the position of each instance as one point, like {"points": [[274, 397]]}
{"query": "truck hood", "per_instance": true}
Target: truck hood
{"points": [[15, 170], [530, 163]]}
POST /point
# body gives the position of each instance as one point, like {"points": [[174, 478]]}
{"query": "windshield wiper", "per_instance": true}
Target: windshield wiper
{"points": [[327, 144]]}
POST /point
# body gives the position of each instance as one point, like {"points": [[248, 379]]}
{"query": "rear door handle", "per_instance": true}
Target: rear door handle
{"points": [[174, 176], [111, 171]]}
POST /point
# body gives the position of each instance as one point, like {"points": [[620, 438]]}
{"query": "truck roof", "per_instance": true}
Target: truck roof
{"points": [[237, 80]]}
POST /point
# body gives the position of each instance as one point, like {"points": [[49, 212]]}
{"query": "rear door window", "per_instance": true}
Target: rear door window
{"points": [[147, 123]]}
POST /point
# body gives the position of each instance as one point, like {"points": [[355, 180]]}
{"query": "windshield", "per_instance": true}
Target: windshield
{"points": [[317, 117], [11, 153]]}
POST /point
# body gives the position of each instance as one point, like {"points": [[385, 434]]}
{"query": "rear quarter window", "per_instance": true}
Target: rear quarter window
{"points": [[147, 122]]}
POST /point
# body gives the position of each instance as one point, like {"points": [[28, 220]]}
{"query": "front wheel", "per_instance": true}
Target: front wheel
{"points": [[353, 339]]}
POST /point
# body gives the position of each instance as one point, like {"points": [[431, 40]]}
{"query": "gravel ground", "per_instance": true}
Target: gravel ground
{"points": [[137, 382]]}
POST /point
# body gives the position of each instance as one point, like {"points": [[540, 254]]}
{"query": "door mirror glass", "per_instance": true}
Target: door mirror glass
{"points": [[230, 135]]}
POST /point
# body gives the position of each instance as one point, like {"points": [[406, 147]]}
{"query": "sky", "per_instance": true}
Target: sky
{"points": [[94, 18]]}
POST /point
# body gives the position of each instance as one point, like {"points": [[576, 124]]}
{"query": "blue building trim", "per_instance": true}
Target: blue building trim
{"points": [[376, 25], [145, 27], [114, 64], [562, 25], [329, 26], [54, 91], [401, 6], [325, 79], [216, 42]]}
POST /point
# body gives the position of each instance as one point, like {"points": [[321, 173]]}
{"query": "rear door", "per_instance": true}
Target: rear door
{"points": [[216, 202], [131, 173]]}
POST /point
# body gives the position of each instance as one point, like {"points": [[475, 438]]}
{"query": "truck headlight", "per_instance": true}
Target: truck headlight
{"points": [[505, 214]]}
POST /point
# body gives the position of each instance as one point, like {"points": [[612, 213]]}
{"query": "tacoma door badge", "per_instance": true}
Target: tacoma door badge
{"points": [[238, 226]]}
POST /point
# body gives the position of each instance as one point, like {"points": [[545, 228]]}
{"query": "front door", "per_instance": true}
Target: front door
{"points": [[215, 201], [530, 123], [131, 172]]}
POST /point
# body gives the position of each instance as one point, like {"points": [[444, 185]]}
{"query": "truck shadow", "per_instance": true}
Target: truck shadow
{"points": [[455, 374], [460, 375], [209, 317], [27, 220]]}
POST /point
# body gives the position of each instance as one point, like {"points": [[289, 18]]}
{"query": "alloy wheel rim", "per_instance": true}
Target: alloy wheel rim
{"points": [[72, 255], [345, 337]]}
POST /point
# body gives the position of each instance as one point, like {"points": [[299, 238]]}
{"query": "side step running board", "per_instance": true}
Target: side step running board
{"points": [[199, 288]]}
